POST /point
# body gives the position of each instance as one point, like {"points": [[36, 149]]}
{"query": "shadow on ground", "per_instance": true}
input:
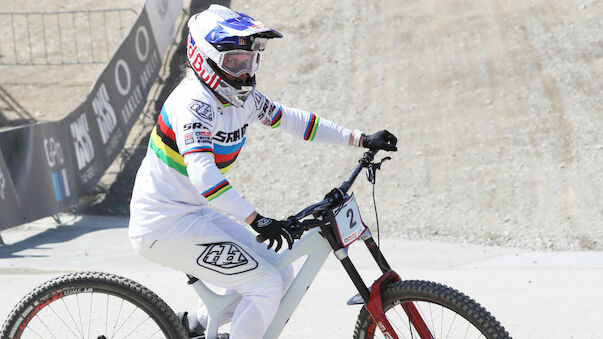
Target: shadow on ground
{"points": [[60, 234]]}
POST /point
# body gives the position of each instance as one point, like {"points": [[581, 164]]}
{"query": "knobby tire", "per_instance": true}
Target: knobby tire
{"points": [[459, 316]]}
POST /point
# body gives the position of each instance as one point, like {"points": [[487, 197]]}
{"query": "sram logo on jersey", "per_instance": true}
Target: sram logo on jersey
{"points": [[220, 136], [236, 135], [194, 125]]}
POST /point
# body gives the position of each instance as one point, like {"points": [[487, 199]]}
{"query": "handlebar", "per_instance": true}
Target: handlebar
{"points": [[299, 227], [362, 163], [344, 188]]}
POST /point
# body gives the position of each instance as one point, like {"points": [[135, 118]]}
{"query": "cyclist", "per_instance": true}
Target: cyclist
{"points": [[180, 186]]}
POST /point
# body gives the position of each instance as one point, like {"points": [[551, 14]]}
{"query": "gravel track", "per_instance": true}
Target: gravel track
{"points": [[497, 107]]}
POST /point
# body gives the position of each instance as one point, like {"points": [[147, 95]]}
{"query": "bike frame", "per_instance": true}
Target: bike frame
{"points": [[311, 244], [317, 243]]}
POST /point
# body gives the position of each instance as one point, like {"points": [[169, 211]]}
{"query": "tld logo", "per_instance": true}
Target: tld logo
{"points": [[54, 152], [84, 149], [226, 257]]}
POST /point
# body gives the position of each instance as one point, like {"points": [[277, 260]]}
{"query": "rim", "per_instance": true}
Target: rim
{"points": [[85, 313]]}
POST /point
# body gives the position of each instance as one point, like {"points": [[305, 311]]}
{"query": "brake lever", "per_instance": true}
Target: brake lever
{"points": [[372, 170], [294, 227], [299, 227]]}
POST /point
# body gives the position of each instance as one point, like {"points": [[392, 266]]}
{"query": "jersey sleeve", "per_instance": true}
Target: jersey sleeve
{"points": [[194, 132], [301, 124]]}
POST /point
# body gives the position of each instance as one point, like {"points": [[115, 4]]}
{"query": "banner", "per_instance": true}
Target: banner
{"points": [[45, 168], [8, 197]]}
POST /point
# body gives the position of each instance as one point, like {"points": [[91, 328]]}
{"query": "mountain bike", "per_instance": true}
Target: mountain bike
{"points": [[103, 305]]}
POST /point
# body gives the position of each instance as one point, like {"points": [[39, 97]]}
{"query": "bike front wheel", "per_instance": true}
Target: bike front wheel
{"points": [[447, 313], [92, 305]]}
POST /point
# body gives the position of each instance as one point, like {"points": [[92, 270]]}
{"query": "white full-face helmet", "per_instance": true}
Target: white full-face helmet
{"points": [[222, 41]]}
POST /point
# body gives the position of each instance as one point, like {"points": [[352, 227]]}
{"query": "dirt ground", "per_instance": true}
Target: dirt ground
{"points": [[497, 107]]}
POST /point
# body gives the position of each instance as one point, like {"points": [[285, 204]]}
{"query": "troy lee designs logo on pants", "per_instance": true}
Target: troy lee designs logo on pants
{"points": [[226, 257]]}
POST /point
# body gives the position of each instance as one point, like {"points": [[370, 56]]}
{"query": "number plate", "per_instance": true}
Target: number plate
{"points": [[349, 223]]}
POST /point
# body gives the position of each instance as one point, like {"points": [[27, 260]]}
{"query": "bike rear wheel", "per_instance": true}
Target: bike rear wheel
{"points": [[447, 312], [92, 305]]}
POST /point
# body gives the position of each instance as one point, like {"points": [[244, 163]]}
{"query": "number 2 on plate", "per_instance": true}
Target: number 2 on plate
{"points": [[350, 214]]}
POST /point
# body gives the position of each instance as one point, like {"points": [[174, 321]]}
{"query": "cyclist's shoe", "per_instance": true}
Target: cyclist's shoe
{"points": [[197, 331]]}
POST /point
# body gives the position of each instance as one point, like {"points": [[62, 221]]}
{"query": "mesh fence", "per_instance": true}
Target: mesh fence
{"points": [[62, 37]]}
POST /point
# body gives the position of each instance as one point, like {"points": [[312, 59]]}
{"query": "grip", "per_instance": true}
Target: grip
{"points": [[260, 238]]}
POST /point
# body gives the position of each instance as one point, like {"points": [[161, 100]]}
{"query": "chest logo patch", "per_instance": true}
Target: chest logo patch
{"points": [[226, 258], [201, 110]]}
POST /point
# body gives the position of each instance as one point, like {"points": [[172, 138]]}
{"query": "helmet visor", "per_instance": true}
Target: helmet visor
{"points": [[238, 62]]}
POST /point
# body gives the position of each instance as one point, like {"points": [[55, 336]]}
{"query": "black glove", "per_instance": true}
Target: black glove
{"points": [[273, 230], [381, 140]]}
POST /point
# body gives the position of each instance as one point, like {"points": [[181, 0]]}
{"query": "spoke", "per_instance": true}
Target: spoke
{"points": [[107, 315], [418, 306], [61, 319], [451, 323], [158, 331], [128, 318], [135, 328], [408, 323], [431, 316], [395, 310], [71, 316], [36, 333], [77, 299], [117, 319], [411, 326], [442, 322], [90, 314], [43, 323], [467, 330]]}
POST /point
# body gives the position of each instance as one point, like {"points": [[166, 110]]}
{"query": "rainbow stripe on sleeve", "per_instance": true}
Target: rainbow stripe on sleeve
{"points": [[312, 127], [217, 190], [278, 117], [163, 144], [207, 149]]}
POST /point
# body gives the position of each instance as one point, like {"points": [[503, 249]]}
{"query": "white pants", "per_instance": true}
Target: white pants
{"points": [[224, 253]]}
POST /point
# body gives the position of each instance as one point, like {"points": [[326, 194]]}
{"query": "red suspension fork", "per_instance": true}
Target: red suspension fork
{"points": [[375, 309]]}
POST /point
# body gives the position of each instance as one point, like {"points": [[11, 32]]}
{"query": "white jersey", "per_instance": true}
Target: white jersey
{"points": [[196, 140]]}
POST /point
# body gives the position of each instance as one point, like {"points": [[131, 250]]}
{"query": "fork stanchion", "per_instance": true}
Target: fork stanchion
{"points": [[377, 254], [356, 278]]}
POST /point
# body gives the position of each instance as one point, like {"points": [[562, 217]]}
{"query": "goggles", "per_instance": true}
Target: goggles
{"points": [[237, 62]]}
